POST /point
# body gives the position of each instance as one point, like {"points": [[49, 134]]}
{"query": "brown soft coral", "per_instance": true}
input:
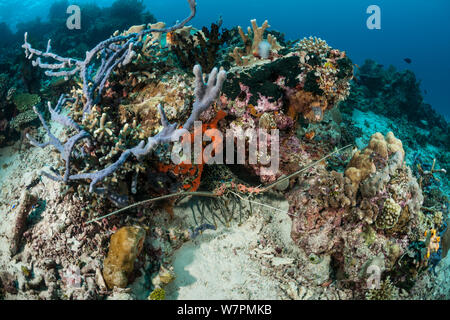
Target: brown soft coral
{"points": [[311, 106], [394, 144], [378, 145], [376, 154]]}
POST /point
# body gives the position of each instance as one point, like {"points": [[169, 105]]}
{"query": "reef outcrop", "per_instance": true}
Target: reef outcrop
{"points": [[371, 217]]}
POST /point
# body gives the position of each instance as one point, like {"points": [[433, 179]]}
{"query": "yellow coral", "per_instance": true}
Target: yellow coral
{"points": [[258, 33], [125, 246], [134, 29], [157, 294], [394, 144], [314, 45], [433, 241], [387, 291], [245, 56], [361, 165], [378, 145]]}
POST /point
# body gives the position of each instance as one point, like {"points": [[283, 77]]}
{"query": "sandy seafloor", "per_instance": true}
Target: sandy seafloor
{"points": [[238, 262]]}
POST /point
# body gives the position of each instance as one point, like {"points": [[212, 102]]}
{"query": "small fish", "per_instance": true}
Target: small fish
{"points": [[195, 232], [407, 60], [219, 22]]}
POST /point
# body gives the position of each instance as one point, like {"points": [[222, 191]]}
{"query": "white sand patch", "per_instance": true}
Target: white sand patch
{"points": [[219, 264]]}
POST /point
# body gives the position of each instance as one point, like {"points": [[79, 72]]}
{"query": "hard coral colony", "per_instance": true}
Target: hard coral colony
{"points": [[348, 211]]}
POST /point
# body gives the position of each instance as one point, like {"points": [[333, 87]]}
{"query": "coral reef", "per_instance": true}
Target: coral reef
{"points": [[397, 95], [108, 88], [317, 226], [369, 217]]}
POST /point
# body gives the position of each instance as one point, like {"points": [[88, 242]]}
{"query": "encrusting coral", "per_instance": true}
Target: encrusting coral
{"points": [[319, 210], [157, 294], [25, 101]]}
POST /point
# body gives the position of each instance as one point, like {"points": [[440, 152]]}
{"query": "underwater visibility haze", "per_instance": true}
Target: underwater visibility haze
{"points": [[233, 150]]}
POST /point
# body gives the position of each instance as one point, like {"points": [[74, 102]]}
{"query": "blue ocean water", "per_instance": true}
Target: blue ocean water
{"points": [[414, 29]]}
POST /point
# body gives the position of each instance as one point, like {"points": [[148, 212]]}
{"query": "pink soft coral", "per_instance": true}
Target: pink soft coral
{"points": [[264, 105]]}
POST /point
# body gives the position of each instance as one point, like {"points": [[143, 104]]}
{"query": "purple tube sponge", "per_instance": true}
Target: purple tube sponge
{"points": [[205, 95], [65, 149], [113, 52]]}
